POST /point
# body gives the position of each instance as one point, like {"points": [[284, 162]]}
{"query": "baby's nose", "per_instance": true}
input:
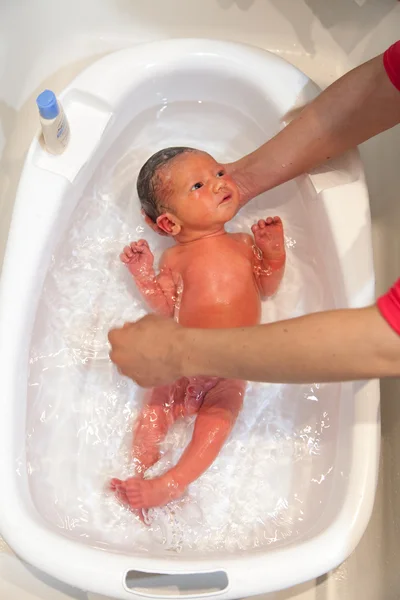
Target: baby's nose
{"points": [[218, 184]]}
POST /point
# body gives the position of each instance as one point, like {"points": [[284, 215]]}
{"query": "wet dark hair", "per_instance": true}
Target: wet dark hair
{"points": [[149, 183]]}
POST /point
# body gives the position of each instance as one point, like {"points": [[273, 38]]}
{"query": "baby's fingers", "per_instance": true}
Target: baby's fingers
{"points": [[142, 244], [124, 258], [128, 251]]}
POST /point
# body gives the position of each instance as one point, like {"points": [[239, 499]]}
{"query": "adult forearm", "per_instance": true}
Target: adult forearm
{"points": [[355, 108], [332, 346]]}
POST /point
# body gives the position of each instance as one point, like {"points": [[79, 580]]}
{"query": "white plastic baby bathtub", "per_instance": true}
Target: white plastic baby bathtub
{"points": [[319, 445]]}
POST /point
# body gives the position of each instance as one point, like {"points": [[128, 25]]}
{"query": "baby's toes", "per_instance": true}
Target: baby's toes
{"points": [[128, 251], [269, 221], [261, 224], [124, 258], [277, 220], [114, 483], [254, 228], [118, 487]]}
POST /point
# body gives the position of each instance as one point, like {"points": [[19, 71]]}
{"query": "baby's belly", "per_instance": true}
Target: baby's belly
{"points": [[199, 310]]}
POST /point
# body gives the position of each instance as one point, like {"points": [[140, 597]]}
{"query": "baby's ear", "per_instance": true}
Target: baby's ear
{"points": [[151, 224], [168, 224]]}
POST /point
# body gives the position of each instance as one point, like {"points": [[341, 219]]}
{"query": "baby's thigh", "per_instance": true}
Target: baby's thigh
{"points": [[156, 407], [167, 400], [227, 394], [158, 396]]}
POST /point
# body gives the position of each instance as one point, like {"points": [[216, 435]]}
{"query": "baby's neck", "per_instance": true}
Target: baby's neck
{"points": [[188, 237]]}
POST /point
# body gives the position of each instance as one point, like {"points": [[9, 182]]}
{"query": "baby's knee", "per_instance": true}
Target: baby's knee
{"points": [[221, 421], [152, 424]]}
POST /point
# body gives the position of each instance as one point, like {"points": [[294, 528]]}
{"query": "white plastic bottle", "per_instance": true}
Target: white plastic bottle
{"points": [[54, 122]]}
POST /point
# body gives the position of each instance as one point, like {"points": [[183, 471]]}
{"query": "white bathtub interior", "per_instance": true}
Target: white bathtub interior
{"points": [[274, 477]]}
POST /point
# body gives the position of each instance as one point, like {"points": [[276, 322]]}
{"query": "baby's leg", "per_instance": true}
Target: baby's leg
{"points": [[151, 427], [214, 423]]}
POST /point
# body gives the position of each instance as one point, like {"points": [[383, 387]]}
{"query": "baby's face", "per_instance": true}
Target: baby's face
{"points": [[201, 194]]}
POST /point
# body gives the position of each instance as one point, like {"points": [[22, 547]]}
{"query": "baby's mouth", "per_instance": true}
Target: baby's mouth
{"points": [[226, 198]]}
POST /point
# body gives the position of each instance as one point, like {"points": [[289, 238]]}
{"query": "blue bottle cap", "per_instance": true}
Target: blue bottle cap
{"points": [[47, 105]]}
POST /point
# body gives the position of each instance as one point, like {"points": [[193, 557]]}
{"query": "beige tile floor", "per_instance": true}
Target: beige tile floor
{"points": [[322, 37]]}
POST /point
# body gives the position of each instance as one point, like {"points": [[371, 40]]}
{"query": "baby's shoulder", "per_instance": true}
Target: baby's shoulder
{"points": [[169, 257], [243, 238]]}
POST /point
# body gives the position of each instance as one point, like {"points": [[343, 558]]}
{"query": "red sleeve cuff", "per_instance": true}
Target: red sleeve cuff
{"points": [[389, 307], [391, 61]]}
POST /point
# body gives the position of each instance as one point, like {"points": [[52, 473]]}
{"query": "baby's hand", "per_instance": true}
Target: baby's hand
{"points": [[268, 236], [138, 257]]}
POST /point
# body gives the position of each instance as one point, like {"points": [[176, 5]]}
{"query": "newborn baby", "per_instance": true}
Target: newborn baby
{"points": [[210, 278]]}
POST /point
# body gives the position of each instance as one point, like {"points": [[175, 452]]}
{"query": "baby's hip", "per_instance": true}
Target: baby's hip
{"points": [[188, 393]]}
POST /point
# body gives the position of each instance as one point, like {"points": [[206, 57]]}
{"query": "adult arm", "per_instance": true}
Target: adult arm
{"points": [[336, 345], [358, 106], [341, 345]]}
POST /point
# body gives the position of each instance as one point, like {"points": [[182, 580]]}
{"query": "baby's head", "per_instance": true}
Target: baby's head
{"points": [[183, 189]]}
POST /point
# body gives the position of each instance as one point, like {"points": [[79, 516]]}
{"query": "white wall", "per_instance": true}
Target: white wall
{"points": [[46, 42]]}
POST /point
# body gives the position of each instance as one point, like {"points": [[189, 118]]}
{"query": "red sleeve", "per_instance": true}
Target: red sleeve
{"points": [[389, 307], [391, 61]]}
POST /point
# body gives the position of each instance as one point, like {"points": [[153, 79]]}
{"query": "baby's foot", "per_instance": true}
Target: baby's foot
{"points": [[118, 487], [144, 457], [141, 493], [269, 238]]}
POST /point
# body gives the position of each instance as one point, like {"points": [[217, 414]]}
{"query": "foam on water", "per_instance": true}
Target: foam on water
{"points": [[81, 411]]}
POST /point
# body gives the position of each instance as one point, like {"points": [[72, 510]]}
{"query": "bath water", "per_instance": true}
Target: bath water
{"points": [[81, 411]]}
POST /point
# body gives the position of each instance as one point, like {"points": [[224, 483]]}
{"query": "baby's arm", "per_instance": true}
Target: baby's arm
{"points": [[159, 291], [270, 255]]}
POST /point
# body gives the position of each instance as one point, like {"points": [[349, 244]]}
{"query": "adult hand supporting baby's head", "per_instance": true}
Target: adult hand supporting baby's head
{"points": [[237, 170], [260, 171], [148, 351]]}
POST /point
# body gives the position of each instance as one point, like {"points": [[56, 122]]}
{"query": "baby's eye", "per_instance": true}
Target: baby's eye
{"points": [[196, 186], [221, 173]]}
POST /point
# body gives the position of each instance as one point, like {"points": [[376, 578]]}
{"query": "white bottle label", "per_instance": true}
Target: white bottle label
{"points": [[63, 130], [56, 132]]}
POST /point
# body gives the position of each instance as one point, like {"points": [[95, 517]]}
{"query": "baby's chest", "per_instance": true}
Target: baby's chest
{"points": [[218, 266]]}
